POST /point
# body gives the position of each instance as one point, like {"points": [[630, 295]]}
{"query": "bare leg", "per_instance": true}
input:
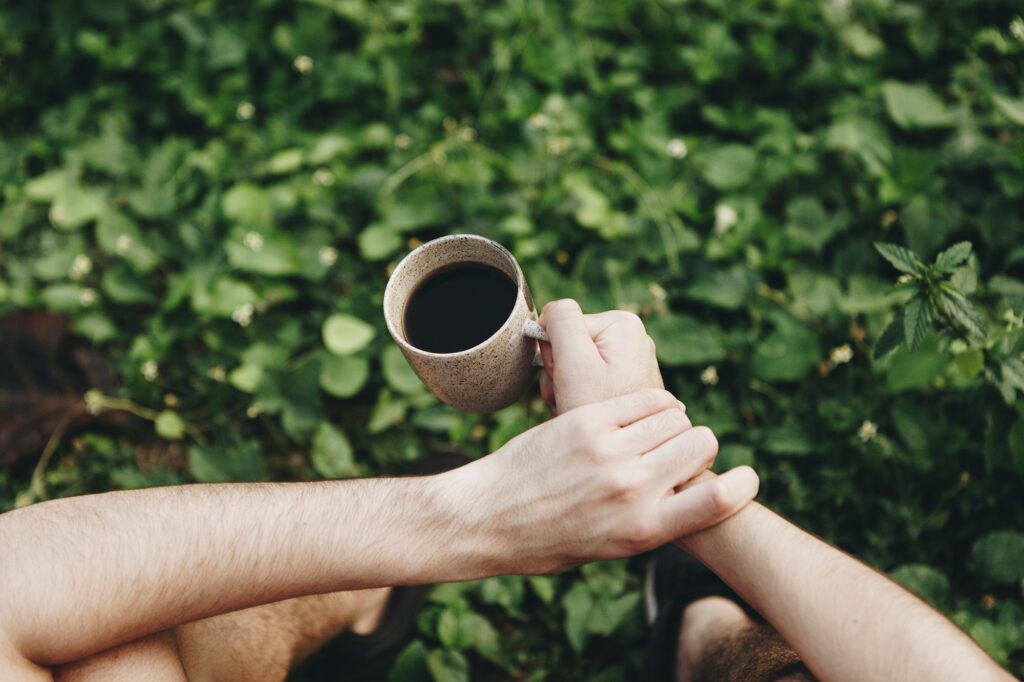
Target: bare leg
{"points": [[718, 641], [262, 643]]}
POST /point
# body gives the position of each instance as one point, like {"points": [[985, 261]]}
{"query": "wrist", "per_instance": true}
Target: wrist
{"points": [[464, 529]]}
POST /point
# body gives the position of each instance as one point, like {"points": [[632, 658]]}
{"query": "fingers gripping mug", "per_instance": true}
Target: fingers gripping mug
{"points": [[461, 312]]}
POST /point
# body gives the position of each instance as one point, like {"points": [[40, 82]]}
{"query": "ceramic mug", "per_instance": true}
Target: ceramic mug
{"points": [[492, 374]]}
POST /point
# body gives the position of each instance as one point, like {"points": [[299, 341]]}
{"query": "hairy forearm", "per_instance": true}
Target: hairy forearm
{"points": [[83, 574], [846, 621]]}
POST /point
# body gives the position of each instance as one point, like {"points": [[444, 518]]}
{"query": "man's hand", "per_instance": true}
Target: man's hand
{"points": [[594, 357], [596, 483]]}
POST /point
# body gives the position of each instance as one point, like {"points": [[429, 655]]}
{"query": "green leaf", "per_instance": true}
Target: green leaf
{"points": [[265, 252], [448, 666], [733, 455], [729, 288], [222, 464], [388, 412], [75, 206], [891, 338], [543, 586], [900, 257], [169, 425], [1012, 109], [248, 205], [1016, 446], [948, 260], [917, 317], [411, 664], [332, 454], [956, 307], [246, 378], [459, 628], [397, 372], [730, 167], [682, 340], [787, 354], [925, 581], [344, 375], [578, 603], [377, 242], [999, 556], [344, 334], [912, 370], [914, 105]]}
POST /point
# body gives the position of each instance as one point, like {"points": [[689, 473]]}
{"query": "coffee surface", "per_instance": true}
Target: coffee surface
{"points": [[458, 307]]}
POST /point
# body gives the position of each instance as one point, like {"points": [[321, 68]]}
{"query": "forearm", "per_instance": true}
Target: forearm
{"points": [[846, 621], [82, 574]]}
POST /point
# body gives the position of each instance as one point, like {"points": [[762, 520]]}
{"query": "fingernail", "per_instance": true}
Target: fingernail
{"points": [[681, 405]]}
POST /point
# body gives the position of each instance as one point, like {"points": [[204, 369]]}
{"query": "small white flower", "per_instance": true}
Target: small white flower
{"points": [[124, 244], [538, 121], [93, 401], [403, 141], [904, 278], [87, 297], [467, 134], [303, 64], [150, 370], [725, 217], [217, 373], [80, 267], [841, 354], [327, 255], [323, 177], [245, 111], [657, 291], [867, 431], [1017, 28], [243, 314], [253, 240], [253, 411], [676, 148], [709, 376]]}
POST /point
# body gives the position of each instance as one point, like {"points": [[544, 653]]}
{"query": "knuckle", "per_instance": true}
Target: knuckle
{"points": [[719, 500], [560, 308], [652, 346], [705, 442], [650, 398], [631, 322], [623, 485]]}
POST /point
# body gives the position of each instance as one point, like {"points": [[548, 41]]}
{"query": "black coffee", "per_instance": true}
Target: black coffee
{"points": [[458, 307]]}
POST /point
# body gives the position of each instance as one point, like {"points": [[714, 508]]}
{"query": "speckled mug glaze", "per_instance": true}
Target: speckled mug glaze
{"points": [[490, 375]]}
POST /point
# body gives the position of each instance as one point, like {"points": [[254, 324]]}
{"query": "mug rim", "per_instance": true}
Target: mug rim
{"points": [[389, 292]]}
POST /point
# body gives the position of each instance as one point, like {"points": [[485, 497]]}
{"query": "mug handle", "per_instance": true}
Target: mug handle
{"points": [[533, 330]]}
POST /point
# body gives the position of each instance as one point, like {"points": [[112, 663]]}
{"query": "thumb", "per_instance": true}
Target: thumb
{"points": [[572, 347]]}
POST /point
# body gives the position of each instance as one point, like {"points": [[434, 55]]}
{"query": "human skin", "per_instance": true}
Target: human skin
{"points": [[847, 622], [81, 575]]}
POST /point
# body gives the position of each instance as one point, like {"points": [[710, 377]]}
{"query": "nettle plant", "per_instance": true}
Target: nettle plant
{"points": [[938, 297]]}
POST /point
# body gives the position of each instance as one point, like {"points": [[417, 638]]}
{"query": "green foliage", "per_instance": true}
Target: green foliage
{"points": [[216, 193]]}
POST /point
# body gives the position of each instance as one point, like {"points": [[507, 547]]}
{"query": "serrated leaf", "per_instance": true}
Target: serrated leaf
{"points": [[901, 258], [947, 261], [957, 308], [916, 320], [346, 334]]}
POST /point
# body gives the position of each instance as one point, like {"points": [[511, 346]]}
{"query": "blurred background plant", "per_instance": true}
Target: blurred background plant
{"points": [[213, 194]]}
